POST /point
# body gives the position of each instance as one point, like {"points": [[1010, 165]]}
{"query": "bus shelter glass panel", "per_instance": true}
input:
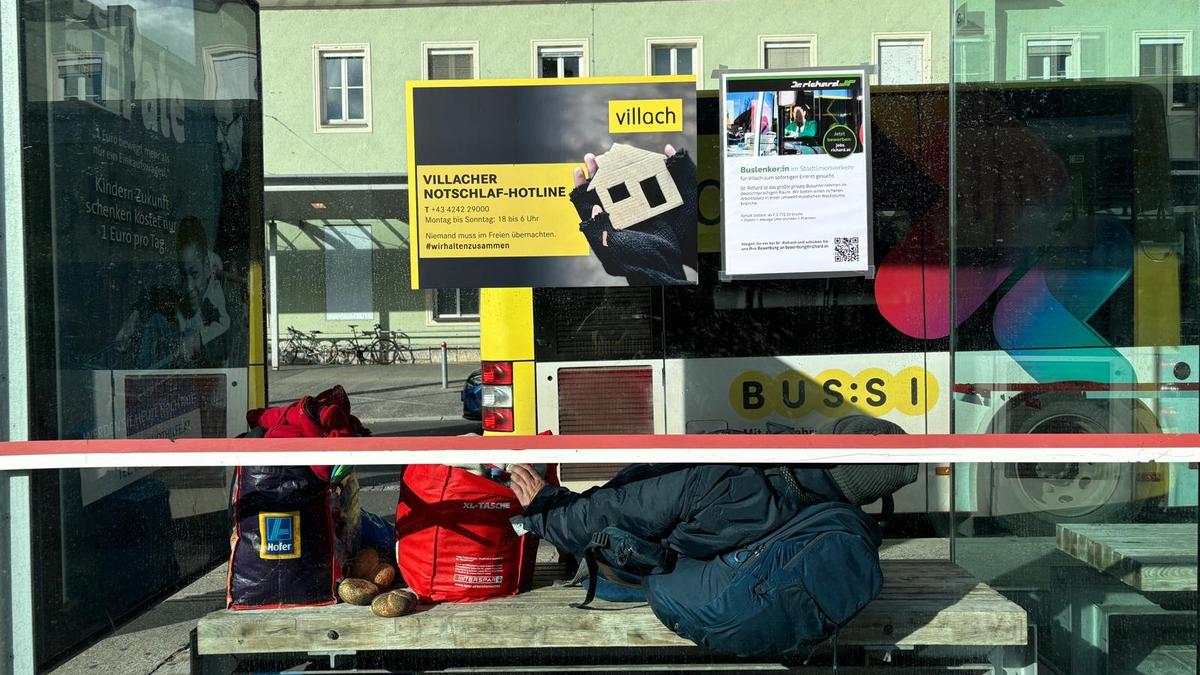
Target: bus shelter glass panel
{"points": [[143, 182], [1076, 263]]}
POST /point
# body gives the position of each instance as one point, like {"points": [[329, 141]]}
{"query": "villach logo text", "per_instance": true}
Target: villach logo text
{"points": [[280, 535], [645, 116]]}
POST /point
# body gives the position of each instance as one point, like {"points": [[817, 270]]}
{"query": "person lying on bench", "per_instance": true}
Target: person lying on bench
{"points": [[684, 531], [700, 511]]}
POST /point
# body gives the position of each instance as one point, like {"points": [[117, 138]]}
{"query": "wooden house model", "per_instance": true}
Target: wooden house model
{"points": [[633, 185]]}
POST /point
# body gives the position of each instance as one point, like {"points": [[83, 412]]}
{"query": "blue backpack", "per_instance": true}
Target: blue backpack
{"points": [[778, 596], [787, 592]]}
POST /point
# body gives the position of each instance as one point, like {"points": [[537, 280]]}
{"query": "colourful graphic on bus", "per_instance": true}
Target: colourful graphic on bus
{"points": [[1011, 222]]}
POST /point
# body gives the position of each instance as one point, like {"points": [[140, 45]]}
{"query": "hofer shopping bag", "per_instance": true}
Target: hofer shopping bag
{"points": [[454, 539], [285, 549]]}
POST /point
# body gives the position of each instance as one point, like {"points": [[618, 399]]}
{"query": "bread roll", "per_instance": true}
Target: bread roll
{"points": [[394, 603], [384, 576], [357, 591]]}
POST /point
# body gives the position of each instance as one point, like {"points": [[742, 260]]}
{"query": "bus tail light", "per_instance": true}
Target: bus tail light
{"points": [[497, 372], [497, 419], [497, 396]]}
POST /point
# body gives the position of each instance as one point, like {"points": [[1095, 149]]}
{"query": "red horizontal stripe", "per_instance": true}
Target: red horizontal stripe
{"points": [[698, 441], [1040, 387]]}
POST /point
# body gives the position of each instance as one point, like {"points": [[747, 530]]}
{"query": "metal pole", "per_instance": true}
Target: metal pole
{"points": [[14, 378], [445, 368], [17, 542], [273, 290], [16, 535], [952, 276]]}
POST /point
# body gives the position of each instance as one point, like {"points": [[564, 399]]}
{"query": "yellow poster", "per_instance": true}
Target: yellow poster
{"points": [[562, 183]]}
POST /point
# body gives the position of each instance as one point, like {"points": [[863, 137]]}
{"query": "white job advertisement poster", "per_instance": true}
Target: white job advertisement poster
{"points": [[796, 175]]}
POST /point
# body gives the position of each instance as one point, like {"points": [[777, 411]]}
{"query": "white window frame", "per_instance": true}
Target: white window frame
{"points": [[536, 46], [432, 316], [1184, 36], [807, 40], [320, 52], [924, 37], [695, 42], [67, 59], [1075, 67], [428, 49], [1185, 55]]}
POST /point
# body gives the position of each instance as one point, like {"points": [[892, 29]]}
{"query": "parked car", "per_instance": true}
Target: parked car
{"points": [[472, 396]]}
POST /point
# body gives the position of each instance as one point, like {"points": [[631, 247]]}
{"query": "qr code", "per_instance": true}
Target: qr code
{"points": [[845, 249]]}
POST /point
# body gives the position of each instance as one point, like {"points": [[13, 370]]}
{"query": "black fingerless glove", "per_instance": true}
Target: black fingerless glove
{"points": [[684, 219], [651, 252]]}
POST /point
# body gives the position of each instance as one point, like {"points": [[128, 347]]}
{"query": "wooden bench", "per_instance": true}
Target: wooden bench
{"points": [[1151, 574], [924, 603], [1150, 557]]}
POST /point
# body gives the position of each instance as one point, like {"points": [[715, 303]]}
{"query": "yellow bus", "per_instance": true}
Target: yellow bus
{"points": [[1077, 272]]}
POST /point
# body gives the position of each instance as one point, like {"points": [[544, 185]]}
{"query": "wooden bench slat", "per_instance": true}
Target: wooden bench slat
{"points": [[924, 602], [1157, 557]]}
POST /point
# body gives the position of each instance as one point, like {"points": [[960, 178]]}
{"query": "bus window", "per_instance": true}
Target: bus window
{"points": [[1078, 313], [597, 324]]}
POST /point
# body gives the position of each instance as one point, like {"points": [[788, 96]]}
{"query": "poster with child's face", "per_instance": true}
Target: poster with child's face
{"points": [[561, 183]]}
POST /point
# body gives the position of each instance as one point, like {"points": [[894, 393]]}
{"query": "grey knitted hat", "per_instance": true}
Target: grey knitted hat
{"points": [[864, 483]]}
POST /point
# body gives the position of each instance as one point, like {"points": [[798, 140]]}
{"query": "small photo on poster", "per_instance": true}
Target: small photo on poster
{"points": [[794, 122]]}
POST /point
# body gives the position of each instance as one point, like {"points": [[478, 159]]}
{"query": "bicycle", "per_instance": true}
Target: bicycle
{"points": [[403, 344], [309, 346], [382, 349]]}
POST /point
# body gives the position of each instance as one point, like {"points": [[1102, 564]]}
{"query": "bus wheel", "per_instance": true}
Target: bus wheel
{"points": [[1067, 492]]}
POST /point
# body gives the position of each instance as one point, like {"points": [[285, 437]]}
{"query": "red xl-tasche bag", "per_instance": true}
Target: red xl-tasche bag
{"points": [[454, 540]]}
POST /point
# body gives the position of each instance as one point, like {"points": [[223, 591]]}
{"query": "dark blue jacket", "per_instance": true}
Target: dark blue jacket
{"points": [[698, 511]]}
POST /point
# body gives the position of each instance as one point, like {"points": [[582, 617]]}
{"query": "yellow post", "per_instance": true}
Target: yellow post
{"points": [[506, 334], [256, 396]]}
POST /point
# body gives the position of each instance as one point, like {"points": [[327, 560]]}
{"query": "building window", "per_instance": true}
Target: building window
{"points": [[344, 88], [452, 304], [349, 277], [786, 53], [560, 60], [1160, 56], [902, 59], [673, 57], [344, 96], [1050, 59], [1167, 55], [81, 78], [451, 62]]}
